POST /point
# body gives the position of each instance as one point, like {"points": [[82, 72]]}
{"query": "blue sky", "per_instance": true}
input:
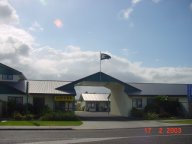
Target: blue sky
{"points": [[144, 37], [157, 34]]}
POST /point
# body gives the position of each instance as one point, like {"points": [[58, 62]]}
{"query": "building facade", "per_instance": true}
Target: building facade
{"points": [[43, 93], [12, 87], [60, 95]]}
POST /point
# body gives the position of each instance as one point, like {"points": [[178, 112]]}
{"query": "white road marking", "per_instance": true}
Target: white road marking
{"points": [[73, 141], [81, 140]]}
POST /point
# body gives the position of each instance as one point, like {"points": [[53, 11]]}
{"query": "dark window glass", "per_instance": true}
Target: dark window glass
{"points": [[137, 102], [7, 77], [150, 100], [16, 100], [39, 102]]}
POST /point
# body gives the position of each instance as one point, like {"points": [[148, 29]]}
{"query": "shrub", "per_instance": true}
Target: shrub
{"points": [[151, 116], [29, 117], [28, 108], [12, 107], [152, 108], [59, 116], [137, 113], [164, 115], [17, 116], [45, 110]]}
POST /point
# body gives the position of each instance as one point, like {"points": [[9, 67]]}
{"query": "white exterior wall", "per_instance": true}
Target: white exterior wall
{"points": [[49, 100], [144, 102], [184, 102], [120, 101], [83, 104]]}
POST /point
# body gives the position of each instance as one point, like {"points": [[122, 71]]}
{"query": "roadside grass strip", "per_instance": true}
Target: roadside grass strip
{"points": [[40, 123]]}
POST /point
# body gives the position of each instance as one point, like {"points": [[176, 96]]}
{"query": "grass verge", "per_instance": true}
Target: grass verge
{"points": [[40, 123]]}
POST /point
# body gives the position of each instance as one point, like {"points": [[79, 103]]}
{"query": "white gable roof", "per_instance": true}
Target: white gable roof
{"points": [[94, 97], [46, 87]]}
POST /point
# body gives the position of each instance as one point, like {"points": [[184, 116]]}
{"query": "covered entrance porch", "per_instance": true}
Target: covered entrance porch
{"points": [[120, 104]]}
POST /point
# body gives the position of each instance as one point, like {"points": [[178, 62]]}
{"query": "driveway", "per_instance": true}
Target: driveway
{"points": [[98, 116]]}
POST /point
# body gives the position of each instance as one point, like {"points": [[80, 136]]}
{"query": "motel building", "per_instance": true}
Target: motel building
{"points": [[60, 95]]}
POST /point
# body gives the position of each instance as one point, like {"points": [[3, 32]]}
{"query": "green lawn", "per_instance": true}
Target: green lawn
{"points": [[40, 123], [179, 121]]}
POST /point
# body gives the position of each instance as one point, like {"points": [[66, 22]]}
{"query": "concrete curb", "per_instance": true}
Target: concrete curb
{"points": [[99, 125]]}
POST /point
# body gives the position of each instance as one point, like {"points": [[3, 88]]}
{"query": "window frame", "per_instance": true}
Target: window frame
{"points": [[7, 77], [16, 100], [138, 103]]}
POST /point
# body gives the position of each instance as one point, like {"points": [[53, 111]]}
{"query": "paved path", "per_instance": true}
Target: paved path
{"points": [[123, 124], [100, 125]]}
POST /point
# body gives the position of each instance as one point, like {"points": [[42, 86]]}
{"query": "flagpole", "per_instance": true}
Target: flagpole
{"points": [[100, 65], [100, 61]]}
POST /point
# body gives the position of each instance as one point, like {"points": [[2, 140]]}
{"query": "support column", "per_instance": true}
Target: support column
{"points": [[120, 102]]}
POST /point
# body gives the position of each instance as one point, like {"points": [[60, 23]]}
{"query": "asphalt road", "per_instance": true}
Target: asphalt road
{"points": [[160, 135]]}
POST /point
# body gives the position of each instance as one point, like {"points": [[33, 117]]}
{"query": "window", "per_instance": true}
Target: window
{"points": [[150, 100], [39, 102], [16, 100], [137, 102], [7, 77]]}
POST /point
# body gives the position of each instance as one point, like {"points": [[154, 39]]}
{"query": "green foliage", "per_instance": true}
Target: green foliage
{"points": [[78, 107], [28, 108], [59, 116], [41, 110], [137, 113], [151, 116], [12, 107], [17, 116], [45, 110], [164, 115], [160, 99], [41, 123], [164, 107], [172, 107], [152, 108], [29, 117]]}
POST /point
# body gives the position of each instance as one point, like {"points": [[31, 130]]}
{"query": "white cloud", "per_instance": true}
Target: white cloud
{"points": [[8, 14], [21, 35], [127, 12], [135, 1], [70, 63], [36, 27]]}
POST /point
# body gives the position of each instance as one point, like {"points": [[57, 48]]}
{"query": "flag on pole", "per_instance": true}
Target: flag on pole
{"points": [[104, 56]]}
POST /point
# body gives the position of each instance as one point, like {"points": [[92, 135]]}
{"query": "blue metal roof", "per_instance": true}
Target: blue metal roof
{"points": [[5, 88], [97, 78], [148, 89], [4, 69]]}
